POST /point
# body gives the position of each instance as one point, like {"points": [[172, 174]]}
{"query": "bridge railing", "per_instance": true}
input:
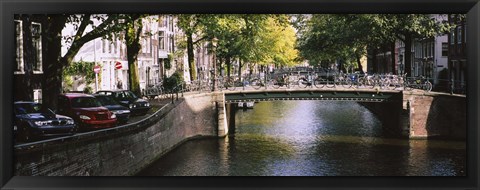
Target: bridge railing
{"points": [[261, 81]]}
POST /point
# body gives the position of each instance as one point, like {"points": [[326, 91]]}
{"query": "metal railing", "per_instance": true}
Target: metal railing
{"points": [[327, 80]]}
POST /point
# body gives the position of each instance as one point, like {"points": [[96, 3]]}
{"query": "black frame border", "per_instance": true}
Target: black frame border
{"points": [[10, 7]]}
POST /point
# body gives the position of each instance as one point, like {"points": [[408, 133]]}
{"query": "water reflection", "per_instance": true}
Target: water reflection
{"points": [[311, 138]]}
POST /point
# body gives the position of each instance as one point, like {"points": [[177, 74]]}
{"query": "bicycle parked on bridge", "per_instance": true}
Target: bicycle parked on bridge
{"points": [[418, 83], [377, 80], [306, 80], [282, 80]]}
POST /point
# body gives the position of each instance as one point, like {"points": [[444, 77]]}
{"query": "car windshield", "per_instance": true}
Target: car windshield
{"points": [[85, 102], [125, 95], [105, 100], [29, 108]]}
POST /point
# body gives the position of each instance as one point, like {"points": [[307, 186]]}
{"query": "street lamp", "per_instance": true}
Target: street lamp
{"points": [[214, 45]]}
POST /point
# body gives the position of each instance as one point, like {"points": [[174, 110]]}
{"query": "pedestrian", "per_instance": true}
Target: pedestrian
{"points": [[119, 83]]}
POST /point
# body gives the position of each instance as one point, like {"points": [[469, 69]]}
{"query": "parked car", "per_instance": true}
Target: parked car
{"points": [[122, 112], [86, 110], [35, 121], [128, 99]]}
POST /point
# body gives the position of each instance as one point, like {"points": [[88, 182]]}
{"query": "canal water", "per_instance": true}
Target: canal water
{"points": [[311, 138]]}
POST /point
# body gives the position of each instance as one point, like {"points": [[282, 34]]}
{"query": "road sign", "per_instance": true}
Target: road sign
{"points": [[96, 69], [118, 65]]}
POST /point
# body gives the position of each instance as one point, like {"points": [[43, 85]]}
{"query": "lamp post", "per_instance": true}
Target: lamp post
{"points": [[214, 44]]}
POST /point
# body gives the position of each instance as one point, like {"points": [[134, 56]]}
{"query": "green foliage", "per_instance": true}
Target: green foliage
{"points": [[82, 68], [173, 81], [328, 37], [168, 61]]}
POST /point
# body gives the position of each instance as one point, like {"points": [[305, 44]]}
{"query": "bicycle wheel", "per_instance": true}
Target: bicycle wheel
{"points": [[276, 84], [231, 85], [407, 85], [270, 83], [302, 83], [360, 82], [291, 84], [319, 82], [256, 83], [330, 83], [428, 86], [393, 84], [384, 83], [347, 83], [371, 83]]}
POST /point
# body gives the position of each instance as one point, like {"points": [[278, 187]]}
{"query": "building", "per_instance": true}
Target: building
{"points": [[29, 58], [155, 59], [457, 52], [429, 57]]}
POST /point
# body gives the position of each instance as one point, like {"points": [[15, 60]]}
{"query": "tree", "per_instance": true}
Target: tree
{"points": [[133, 28], [191, 25], [54, 60], [329, 37], [332, 37], [79, 69], [407, 27]]}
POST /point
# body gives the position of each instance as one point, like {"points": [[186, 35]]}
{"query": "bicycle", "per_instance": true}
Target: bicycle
{"points": [[331, 81], [418, 83], [280, 81], [305, 81]]}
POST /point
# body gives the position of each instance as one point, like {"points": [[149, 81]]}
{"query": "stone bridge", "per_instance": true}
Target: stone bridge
{"points": [[415, 114]]}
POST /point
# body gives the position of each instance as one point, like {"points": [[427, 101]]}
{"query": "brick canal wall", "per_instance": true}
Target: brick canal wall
{"points": [[122, 151], [423, 115], [436, 116]]}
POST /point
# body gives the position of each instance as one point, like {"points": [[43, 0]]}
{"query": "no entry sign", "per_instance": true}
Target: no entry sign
{"points": [[96, 69], [118, 65]]}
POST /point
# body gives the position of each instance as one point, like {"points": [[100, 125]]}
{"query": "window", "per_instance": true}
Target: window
{"points": [[172, 41], [452, 36], [161, 40], [444, 49], [37, 95], [459, 35], [147, 44], [115, 45], [104, 46], [430, 48], [160, 22], [37, 47], [18, 47]]}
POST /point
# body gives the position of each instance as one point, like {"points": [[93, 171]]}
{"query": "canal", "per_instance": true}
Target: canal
{"points": [[311, 138]]}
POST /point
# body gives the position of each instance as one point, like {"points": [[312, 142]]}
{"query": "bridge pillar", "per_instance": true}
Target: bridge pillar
{"points": [[222, 125]]}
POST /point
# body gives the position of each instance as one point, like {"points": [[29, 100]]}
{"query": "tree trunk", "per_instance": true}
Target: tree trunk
{"points": [[393, 55], [229, 64], [240, 69], [52, 65], [408, 55], [132, 37], [191, 62], [374, 60], [359, 62]]}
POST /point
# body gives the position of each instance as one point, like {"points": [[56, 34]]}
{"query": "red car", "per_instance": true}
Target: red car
{"points": [[87, 112]]}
